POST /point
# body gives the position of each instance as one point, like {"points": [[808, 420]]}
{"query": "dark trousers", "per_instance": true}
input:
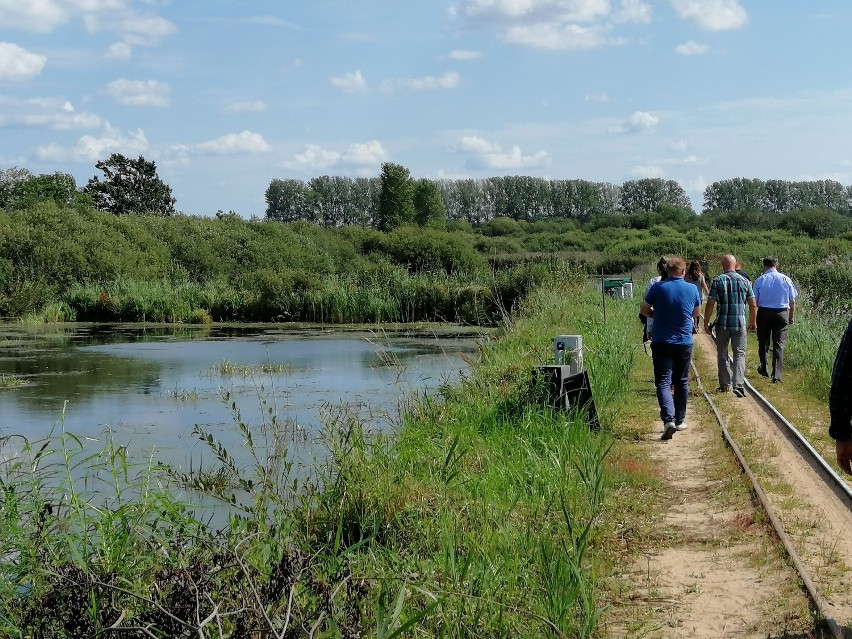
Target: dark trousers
{"points": [[772, 327], [671, 367]]}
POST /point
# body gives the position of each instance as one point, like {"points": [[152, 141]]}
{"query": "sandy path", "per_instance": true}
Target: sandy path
{"points": [[700, 580]]}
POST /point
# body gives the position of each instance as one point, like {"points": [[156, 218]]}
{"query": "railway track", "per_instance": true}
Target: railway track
{"points": [[826, 493]]}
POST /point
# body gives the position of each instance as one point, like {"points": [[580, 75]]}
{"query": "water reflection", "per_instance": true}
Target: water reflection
{"points": [[153, 385]]}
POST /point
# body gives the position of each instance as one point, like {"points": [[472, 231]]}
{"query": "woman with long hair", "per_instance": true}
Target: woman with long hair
{"points": [[695, 276]]}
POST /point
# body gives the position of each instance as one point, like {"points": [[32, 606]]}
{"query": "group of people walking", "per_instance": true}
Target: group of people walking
{"points": [[672, 306]]}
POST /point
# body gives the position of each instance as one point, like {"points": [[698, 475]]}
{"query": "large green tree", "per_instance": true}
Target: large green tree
{"points": [[428, 205], [130, 186], [396, 200], [645, 195], [9, 180]]}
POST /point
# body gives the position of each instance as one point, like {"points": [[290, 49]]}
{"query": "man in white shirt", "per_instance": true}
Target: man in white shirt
{"points": [[776, 305]]}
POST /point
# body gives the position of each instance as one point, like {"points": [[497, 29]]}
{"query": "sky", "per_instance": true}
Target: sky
{"points": [[226, 95]]}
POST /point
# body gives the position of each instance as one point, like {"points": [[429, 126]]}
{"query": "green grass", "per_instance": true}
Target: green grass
{"points": [[11, 381], [227, 367]]}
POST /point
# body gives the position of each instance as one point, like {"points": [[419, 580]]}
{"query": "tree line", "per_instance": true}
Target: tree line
{"points": [[395, 199]]}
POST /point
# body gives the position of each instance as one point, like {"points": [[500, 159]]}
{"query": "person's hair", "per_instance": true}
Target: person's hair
{"points": [[770, 261], [694, 270], [675, 265], [661, 267]]}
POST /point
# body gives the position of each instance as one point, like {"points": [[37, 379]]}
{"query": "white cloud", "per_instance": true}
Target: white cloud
{"points": [[48, 113], [531, 11], [552, 24], [139, 92], [232, 143], [64, 121], [270, 21], [44, 16], [38, 16], [464, 54], [176, 155], [350, 82], [136, 28], [483, 154], [90, 149], [647, 171], [695, 185], [597, 97], [314, 157], [633, 11], [558, 37], [362, 157], [450, 80], [712, 15], [16, 63], [118, 51], [365, 154], [246, 107], [639, 121], [691, 48]]}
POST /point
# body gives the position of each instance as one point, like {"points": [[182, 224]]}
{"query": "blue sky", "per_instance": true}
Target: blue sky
{"points": [[225, 96]]}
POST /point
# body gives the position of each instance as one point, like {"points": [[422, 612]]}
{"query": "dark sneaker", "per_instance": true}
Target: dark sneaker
{"points": [[723, 389], [668, 430], [776, 381], [739, 391], [762, 371]]}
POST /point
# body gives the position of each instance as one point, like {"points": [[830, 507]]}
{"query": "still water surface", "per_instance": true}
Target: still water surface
{"points": [[152, 385]]}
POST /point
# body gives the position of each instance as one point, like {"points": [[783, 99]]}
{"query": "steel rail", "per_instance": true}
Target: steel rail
{"points": [[821, 467], [816, 461]]}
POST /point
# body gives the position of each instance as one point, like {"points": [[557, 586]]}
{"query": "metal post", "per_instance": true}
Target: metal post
{"points": [[603, 295]]}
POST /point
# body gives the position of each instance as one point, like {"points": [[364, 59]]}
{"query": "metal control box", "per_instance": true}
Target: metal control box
{"points": [[568, 352]]}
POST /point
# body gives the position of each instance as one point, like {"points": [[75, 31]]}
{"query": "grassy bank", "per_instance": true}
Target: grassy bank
{"points": [[483, 517]]}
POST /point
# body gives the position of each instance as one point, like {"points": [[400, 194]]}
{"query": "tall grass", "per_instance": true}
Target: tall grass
{"points": [[387, 295], [812, 347], [493, 499]]}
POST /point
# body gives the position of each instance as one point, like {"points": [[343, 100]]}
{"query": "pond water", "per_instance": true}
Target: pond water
{"points": [[151, 385]]}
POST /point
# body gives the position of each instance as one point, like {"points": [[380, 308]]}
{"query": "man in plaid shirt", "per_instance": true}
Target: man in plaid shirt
{"points": [[733, 294], [840, 402]]}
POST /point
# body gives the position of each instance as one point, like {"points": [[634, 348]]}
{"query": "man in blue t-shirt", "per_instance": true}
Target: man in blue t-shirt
{"points": [[673, 303]]}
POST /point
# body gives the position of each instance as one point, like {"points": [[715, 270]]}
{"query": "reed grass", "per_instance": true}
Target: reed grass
{"points": [[227, 367], [812, 343], [11, 381]]}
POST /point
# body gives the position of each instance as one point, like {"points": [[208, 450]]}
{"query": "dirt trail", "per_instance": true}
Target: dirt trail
{"points": [[702, 579]]}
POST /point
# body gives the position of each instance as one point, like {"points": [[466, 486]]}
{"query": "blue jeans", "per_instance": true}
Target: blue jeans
{"points": [[671, 367]]}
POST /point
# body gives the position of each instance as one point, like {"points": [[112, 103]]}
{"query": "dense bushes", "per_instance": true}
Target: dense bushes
{"points": [[155, 268]]}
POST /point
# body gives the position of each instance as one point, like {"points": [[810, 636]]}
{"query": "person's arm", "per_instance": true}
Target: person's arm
{"points": [[704, 285], [708, 313], [840, 402], [792, 311], [752, 314], [646, 310]]}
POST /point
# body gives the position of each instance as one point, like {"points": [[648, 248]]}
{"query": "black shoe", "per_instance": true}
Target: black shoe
{"points": [[776, 381], [723, 389], [739, 391], [668, 430], [762, 371]]}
